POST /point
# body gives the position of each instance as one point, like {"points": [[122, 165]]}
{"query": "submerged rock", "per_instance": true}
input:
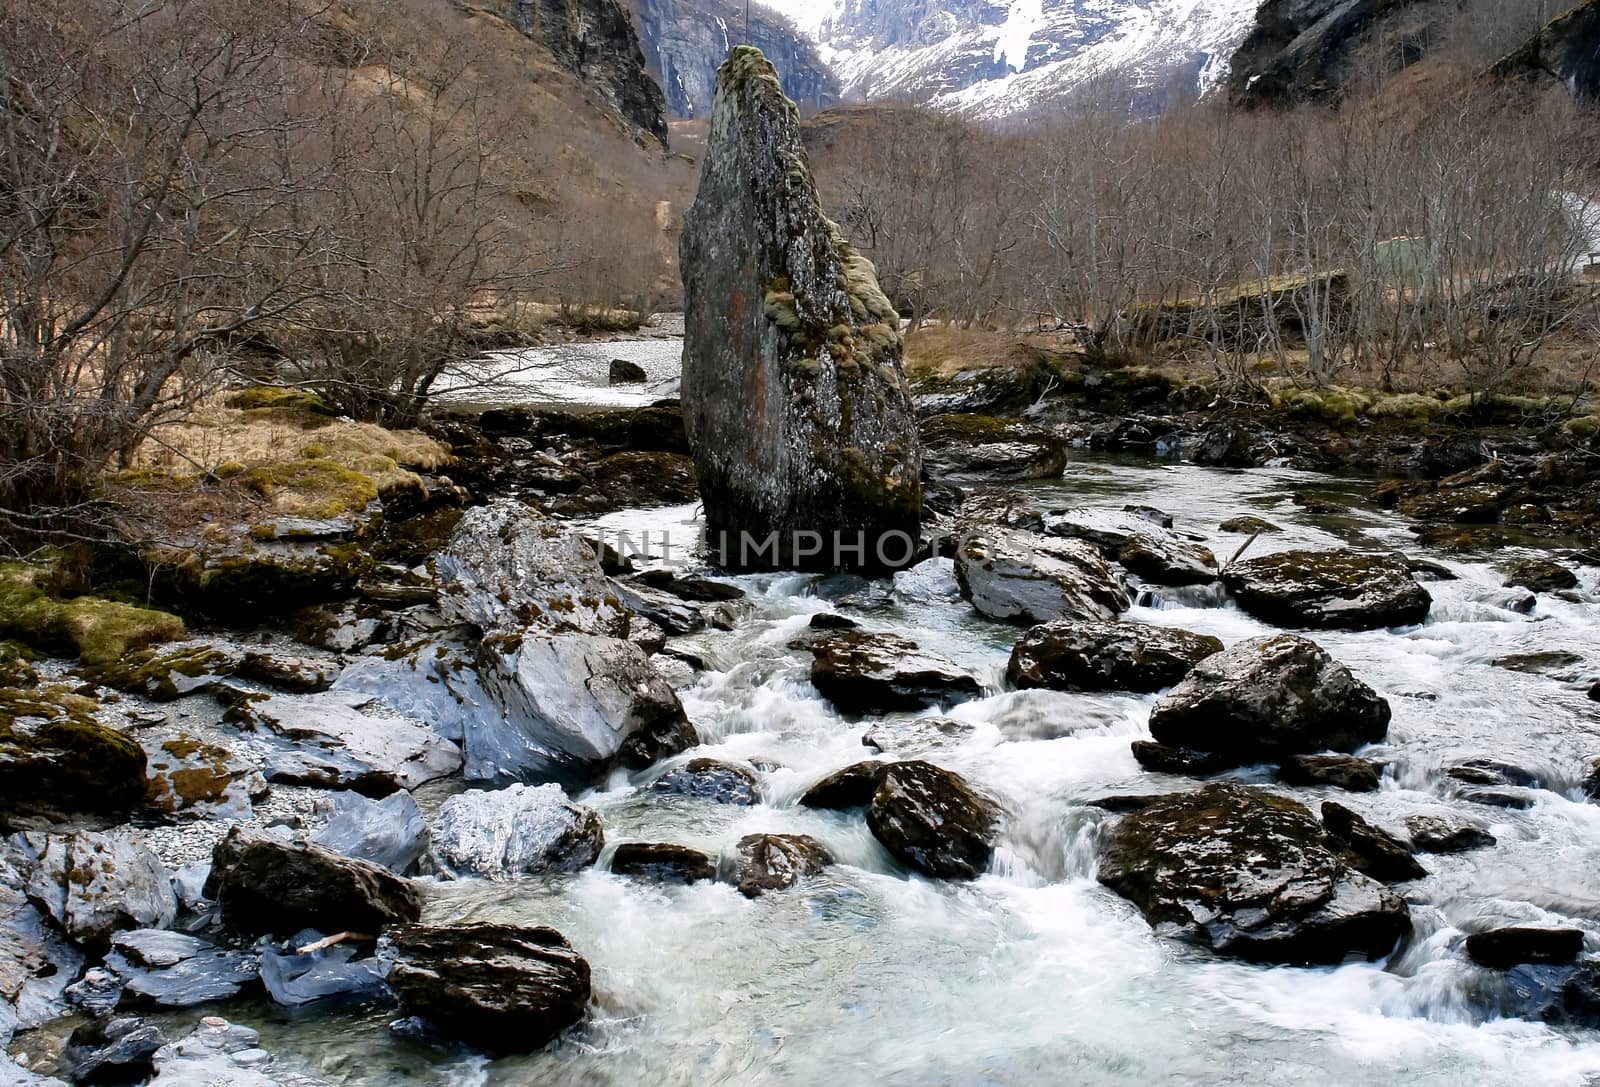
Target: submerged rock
{"points": [[1106, 656], [794, 399], [1268, 698], [512, 832], [1432, 834], [1340, 771], [662, 862], [1344, 590], [1539, 575], [918, 735], [931, 820], [499, 987], [93, 884], [1503, 948], [1027, 578], [297, 977], [1251, 874], [708, 779], [776, 862], [266, 885], [864, 672]]}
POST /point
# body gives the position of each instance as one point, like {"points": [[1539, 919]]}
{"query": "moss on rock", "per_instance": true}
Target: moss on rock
{"points": [[55, 758], [98, 630]]}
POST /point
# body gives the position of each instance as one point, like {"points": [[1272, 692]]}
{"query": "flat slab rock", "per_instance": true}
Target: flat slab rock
{"points": [[1252, 875], [1023, 577], [1079, 655], [872, 672], [357, 733], [1145, 548], [1329, 590]]}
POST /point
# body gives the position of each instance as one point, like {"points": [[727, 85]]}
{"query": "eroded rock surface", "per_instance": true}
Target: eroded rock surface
{"points": [[1106, 656]]}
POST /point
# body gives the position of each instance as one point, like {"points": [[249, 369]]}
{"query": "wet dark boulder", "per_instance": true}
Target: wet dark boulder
{"points": [[1269, 698], [852, 787], [1494, 773], [1228, 447], [662, 862], [1247, 525], [1539, 575], [1329, 590], [863, 672], [264, 884], [1106, 656], [1023, 577], [623, 372], [1185, 761], [1251, 874], [983, 447], [1434, 834], [776, 862], [794, 395], [931, 820], [56, 760], [1594, 692], [709, 779], [1340, 771], [112, 1051], [501, 988], [1368, 848], [1503, 948]]}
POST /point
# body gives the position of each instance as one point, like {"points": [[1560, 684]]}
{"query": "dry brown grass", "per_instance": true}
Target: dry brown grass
{"points": [[944, 350]]}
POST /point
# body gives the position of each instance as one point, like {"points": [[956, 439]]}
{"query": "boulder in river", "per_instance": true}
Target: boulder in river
{"points": [[709, 779], [852, 787], [264, 884], [1539, 575], [1251, 874], [794, 399], [502, 988], [662, 862], [1368, 848], [1436, 834], [1268, 698], [390, 832], [512, 832], [1144, 547], [961, 446], [931, 820], [623, 372], [1089, 655], [1340, 771], [910, 736], [1503, 948], [93, 884], [1328, 590], [863, 672], [1024, 577], [776, 862]]}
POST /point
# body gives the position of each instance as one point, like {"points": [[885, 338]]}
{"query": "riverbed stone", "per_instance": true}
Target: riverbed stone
{"points": [[502, 988], [1539, 576], [852, 787], [1334, 589], [1346, 772], [1268, 698], [93, 884], [390, 832], [1106, 656], [1440, 834], [1252, 875], [777, 862], [795, 401], [933, 821], [868, 672], [1515, 945], [55, 759], [264, 884], [297, 978], [958, 446], [623, 372], [513, 832], [909, 736], [1167, 759], [355, 731], [662, 862], [1144, 547], [173, 970], [710, 779], [199, 780], [1369, 848], [112, 1051], [1024, 577]]}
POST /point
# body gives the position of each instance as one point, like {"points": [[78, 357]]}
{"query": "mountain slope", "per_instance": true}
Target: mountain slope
{"points": [[1003, 58]]}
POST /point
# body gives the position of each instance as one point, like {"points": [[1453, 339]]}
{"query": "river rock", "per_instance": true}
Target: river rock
{"points": [[1251, 874], [513, 832], [864, 672], [93, 884], [371, 747], [220, 1052], [112, 1052], [1247, 525], [1167, 759], [794, 399], [1336, 589], [919, 735], [37, 962], [266, 885], [499, 987], [1024, 577], [708, 779], [931, 820], [776, 862], [662, 862], [999, 506], [156, 969], [1106, 656], [624, 372], [1503, 948], [1370, 849], [1143, 547], [983, 447], [297, 675], [1433, 834], [852, 787], [1340, 771], [296, 978], [389, 832], [197, 780], [1539, 576], [55, 761], [1268, 698]]}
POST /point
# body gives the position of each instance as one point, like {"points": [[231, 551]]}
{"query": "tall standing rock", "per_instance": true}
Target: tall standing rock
{"points": [[794, 398]]}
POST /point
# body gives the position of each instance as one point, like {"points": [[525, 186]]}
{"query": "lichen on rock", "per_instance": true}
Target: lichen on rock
{"points": [[795, 400]]}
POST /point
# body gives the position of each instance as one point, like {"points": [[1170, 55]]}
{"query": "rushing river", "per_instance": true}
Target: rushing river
{"points": [[1034, 973]]}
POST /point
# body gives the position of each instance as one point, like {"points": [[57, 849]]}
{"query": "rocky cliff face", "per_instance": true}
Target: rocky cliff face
{"points": [[595, 40], [1297, 48], [1567, 51], [794, 398], [685, 41]]}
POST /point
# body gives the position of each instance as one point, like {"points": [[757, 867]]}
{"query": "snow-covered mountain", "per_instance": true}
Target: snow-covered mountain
{"points": [[1002, 58]]}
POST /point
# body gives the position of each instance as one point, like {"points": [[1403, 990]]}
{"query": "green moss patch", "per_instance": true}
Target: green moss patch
{"points": [[99, 631], [313, 487], [278, 397]]}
